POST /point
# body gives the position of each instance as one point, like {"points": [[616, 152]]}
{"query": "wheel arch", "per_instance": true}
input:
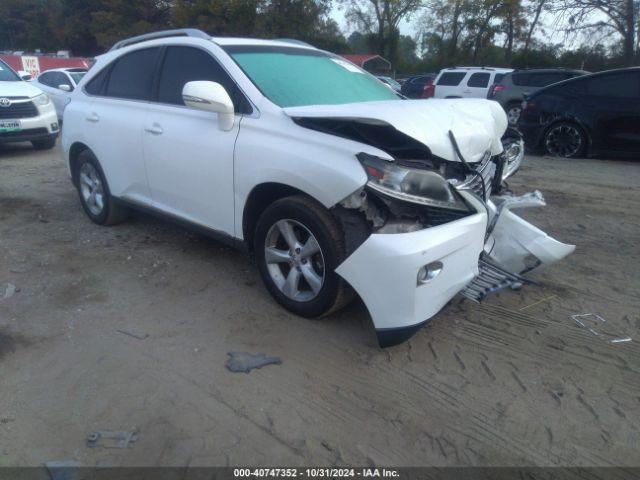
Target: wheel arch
{"points": [[74, 152], [260, 197]]}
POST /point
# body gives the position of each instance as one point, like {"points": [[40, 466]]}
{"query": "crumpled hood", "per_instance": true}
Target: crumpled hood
{"points": [[18, 89], [478, 124]]}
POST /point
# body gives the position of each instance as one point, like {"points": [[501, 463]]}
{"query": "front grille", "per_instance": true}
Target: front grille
{"points": [[491, 279], [18, 110], [29, 132], [439, 216]]}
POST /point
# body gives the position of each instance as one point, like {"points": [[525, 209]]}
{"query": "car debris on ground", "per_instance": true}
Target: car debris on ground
{"points": [[245, 362], [112, 439], [595, 324]]}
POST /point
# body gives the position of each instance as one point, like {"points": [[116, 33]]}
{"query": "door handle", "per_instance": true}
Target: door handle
{"points": [[155, 129], [93, 118]]}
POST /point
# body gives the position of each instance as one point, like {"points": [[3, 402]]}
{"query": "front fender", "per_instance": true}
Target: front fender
{"points": [[323, 166]]}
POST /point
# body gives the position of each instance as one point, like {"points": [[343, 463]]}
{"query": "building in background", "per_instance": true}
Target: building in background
{"points": [[36, 64]]}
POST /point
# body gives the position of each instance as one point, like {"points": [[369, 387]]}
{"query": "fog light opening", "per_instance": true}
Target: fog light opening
{"points": [[54, 126], [428, 272]]}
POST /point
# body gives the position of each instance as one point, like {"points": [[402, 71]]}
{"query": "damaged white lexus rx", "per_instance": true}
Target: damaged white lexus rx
{"points": [[337, 184]]}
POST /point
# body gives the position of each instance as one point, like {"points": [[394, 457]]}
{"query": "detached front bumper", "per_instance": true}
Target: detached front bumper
{"points": [[384, 272], [384, 269]]}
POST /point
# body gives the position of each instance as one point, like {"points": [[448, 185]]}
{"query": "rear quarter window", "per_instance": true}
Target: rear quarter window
{"points": [[479, 80], [95, 86], [498, 78], [451, 79]]}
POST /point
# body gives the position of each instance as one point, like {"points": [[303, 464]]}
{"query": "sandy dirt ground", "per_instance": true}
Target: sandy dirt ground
{"points": [[510, 382]]}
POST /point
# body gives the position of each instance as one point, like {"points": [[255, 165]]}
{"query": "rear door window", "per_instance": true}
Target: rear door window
{"points": [[451, 79], [480, 80], [187, 64], [132, 75]]}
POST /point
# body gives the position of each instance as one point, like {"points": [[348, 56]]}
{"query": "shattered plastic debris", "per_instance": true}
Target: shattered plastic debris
{"points": [[245, 362], [112, 439], [9, 291], [596, 325]]}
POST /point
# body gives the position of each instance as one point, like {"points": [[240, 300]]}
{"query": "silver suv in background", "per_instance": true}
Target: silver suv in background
{"points": [[512, 88], [467, 82]]}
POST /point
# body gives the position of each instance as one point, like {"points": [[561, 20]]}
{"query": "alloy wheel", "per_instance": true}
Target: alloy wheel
{"points": [[91, 188], [563, 141], [294, 260]]}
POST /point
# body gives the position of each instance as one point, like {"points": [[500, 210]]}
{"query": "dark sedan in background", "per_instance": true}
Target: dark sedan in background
{"points": [[415, 86], [597, 114]]}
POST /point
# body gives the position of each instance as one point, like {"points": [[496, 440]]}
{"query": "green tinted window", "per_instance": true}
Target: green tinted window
{"points": [[292, 77]]}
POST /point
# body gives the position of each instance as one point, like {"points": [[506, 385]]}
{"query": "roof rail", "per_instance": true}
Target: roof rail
{"points": [[294, 41], [179, 32], [472, 68]]}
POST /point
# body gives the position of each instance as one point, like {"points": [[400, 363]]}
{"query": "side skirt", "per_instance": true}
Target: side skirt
{"points": [[216, 235]]}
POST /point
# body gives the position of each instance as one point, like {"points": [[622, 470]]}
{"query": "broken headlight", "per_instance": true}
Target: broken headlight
{"points": [[513, 154], [422, 187]]}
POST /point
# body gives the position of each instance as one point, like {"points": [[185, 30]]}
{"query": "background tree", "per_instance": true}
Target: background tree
{"points": [[381, 17], [27, 24], [619, 17], [218, 17]]}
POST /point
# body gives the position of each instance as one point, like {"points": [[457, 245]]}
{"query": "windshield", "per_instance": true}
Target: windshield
{"points": [[77, 76], [6, 74], [293, 77]]}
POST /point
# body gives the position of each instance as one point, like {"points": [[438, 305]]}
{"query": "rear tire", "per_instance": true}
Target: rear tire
{"points": [[47, 144], [565, 139], [298, 245], [94, 192]]}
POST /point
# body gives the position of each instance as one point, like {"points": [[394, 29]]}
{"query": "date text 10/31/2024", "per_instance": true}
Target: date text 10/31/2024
{"points": [[315, 472]]}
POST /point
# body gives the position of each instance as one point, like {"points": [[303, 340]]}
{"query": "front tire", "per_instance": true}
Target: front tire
{"points": [[565, 139], [298, 245], [94, 192]]}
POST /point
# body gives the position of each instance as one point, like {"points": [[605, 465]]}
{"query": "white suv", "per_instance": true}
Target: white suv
{"points": [[336, 183], [26, 113], [58, 83], [467, 82]]}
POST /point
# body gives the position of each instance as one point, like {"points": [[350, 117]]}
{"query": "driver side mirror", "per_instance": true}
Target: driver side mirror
{"points": [[65, 88], [26, 76], [212, 97]]}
